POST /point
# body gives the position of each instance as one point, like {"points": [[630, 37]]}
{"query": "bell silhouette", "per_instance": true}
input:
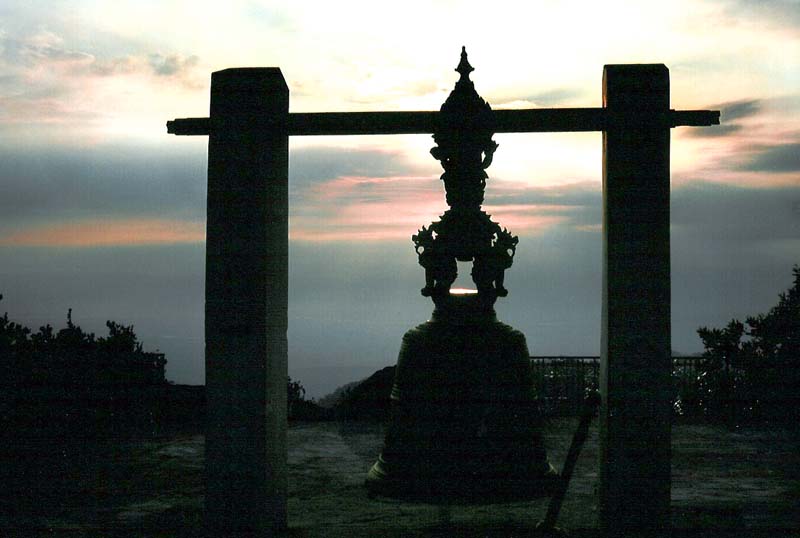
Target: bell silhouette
{"points": [[464, 425]]}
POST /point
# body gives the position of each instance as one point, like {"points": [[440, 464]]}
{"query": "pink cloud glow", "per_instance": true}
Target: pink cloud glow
{"points": [[530, 219], [360, 208], [356, 208], [99, 232]]}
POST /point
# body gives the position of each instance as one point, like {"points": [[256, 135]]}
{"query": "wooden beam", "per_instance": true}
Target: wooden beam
{"points": [[189, 127], [532, 120], [361, 123], [694, 118]]}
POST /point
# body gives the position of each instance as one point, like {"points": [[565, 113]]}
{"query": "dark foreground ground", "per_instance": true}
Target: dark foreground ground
{"points": [[746, 483]]}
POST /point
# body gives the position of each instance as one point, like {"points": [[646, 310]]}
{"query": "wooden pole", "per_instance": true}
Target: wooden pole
{"points": [[635, 364], [246, 303]]}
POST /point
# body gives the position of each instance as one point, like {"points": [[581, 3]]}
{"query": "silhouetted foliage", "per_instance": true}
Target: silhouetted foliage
{"points": [[752, 369], [67, 396], [73, 357], [332, 399], [296, 392], [65, 382], [298, 408], [368, 399]]}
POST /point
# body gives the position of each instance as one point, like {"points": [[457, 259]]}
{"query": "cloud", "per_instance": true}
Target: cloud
{"points": [[351, 207], [268, 16], [331, 197], [49, 82], [575, 205], [733, 110], [499, 192], [105, 232], [46, 185], [172, 65], [333, 203], [739, 109], [550, 98], [714, 131], [41, 47], [360, 208], [782, 12], [123, 65], [44, 190], [44, 193], [758, 144], [357, 194], [717, 214], [314, 164], [776, 159]]}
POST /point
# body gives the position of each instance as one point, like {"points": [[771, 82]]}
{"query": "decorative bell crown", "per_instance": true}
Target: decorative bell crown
{"points": [[464, 147]]}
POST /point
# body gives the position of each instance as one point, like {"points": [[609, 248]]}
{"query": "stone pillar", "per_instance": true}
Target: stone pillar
{"points": [[636, 363], [246, 303]]}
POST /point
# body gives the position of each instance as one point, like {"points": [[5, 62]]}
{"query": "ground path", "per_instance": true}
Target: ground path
{"points": [[743, 479]]}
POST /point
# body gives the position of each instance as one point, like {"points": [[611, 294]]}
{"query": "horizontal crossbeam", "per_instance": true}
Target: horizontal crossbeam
{"points": [[535, 120]]}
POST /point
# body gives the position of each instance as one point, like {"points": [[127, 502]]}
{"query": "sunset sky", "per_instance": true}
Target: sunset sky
{"points": [[103, 212]]}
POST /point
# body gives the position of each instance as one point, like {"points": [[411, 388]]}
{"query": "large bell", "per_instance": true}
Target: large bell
{"points": [[464, 424]]}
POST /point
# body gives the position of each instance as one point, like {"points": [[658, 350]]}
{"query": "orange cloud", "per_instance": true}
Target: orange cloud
{"points": [[101, 232]]}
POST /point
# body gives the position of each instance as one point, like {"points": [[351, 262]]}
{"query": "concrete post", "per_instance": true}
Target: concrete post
{"points": [[636, 364], [246, 302]]}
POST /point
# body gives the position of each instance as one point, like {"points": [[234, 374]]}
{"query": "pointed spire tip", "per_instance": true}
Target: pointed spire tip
{"points": [[463, 66]]}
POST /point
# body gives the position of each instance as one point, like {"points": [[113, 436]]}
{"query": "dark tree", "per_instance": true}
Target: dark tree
{"points": [[70, 380], [298, 408], [776, 334], [295, 391], [66, 398], [752, 369], [721, 382]]}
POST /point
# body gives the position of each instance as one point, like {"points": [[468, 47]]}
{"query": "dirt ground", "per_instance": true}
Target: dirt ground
{"points": [[742, 481]]}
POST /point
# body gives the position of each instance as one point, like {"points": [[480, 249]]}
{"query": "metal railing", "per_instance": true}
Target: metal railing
{"points": [[561, 382]]}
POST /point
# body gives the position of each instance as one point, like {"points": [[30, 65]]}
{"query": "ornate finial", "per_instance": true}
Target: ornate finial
{"points": [[463, 66], [464, 147]]}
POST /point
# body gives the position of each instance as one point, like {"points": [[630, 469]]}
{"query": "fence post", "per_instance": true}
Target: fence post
{"points": [[635, 365], [246, 303]]}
